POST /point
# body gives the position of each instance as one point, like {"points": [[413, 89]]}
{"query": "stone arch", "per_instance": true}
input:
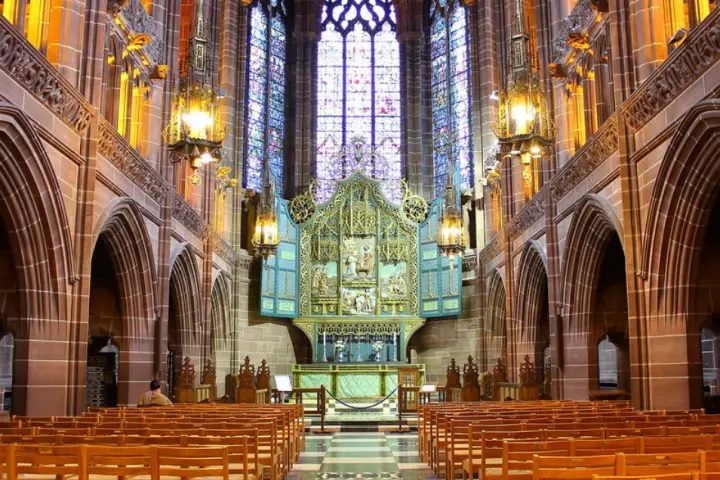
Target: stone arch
{"points": [[185, 334], [594, 240], [122, 227], [35, 213], [39, 238], [496, 333], [684, 203], [593, 224], [532, 306], [222, 350], [125, 240]]}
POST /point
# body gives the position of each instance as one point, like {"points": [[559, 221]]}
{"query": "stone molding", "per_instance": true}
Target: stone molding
{"points": [[469, 263], [185, 214], [125, 158], [245, 261], [491, 250], [531, 213], [223, 249], [590, 156], [580, 20], [134, 17], [32, 70], [685, 65]]}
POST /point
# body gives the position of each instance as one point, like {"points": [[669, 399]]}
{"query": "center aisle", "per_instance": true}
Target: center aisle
{"points": [[361, 455]]}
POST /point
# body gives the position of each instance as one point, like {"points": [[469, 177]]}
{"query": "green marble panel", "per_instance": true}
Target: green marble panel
{"points": [[391, 383], [314, 380], [359, 385]]}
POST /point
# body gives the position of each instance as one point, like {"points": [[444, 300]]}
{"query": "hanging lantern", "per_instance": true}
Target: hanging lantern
{"points": [[266, 237], [196, 130], [451, 231]]}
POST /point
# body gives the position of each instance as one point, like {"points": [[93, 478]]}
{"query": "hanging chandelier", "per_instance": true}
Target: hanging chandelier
{"points": [[451, 231], [196, 130], [524, 125], [266, 237]]}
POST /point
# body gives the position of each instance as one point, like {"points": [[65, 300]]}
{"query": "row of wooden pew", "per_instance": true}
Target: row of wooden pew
{"points": [[257, 440], [500, 439], [139, 462]]}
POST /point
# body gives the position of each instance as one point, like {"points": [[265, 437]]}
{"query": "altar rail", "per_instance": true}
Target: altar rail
{"points": [[320, 401]]}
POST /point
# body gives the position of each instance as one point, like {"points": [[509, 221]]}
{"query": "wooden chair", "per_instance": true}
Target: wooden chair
{"points": [[7, 461], [691, 443], [654, 464], [121, 462], [589, 447], [50, 461], [193, 462], [573, 467], [518, 456], [668, 476]]}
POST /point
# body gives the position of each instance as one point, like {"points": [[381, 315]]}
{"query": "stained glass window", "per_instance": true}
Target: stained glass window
{"points": [[450, 77], [358, 93], [265, 112]]}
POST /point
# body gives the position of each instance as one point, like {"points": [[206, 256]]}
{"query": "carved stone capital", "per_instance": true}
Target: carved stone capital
{"points": [[577, 23]]}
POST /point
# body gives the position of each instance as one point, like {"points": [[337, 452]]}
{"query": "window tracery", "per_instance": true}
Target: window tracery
{"points": [[358, 93], [266, 85], [451, 99]]}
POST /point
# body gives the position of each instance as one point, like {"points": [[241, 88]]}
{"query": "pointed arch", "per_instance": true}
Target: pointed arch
{"points": [[220, 314], [35, 219], [532, 287], [682, 207], [591, 229], [496, 319], [122, 228], [185, 296], [685, 191]]}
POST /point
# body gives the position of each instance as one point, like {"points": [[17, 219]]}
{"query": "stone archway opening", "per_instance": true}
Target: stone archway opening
{"points": [[173, 353], [9, 310], [704, 333], [105, 330], [609, 327]]}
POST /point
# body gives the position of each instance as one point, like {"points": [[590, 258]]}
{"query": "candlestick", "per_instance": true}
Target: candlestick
{"points": [[324, 347]]}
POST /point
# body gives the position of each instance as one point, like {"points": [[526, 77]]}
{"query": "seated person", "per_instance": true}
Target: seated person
{"points": [[154, 398]]}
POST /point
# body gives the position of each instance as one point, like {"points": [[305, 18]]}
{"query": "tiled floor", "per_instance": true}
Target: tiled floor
{"points": [[362, 456]]}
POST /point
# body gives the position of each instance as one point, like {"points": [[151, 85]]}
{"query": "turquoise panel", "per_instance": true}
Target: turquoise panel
{"points": [[391, 383], [440, 286], [279, 297]]}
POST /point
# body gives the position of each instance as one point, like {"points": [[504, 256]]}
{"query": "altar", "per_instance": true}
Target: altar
{"points": [[359, 274], [356, 382]]}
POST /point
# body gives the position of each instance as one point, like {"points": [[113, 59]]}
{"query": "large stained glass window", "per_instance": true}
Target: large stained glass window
{"points": [[358, 94], [450, 74], [265, 111]]}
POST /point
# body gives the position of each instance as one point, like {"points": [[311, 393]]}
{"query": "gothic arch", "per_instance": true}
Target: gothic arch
{"points": [[220, 313], [35, 216], [532, 285], [685, 192], [185, 296], [532, 308], [496, 319], [122, 227], [592, 227], [39, 239], [677, 255]]}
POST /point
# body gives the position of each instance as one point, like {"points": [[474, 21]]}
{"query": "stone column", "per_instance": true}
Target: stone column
{"points": [[415, 98], [302, 86], [649, 42]]}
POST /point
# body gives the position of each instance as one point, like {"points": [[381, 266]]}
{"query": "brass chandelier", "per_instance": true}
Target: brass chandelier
{"points": [[196, 130], [451, 231], [266, 237], [524, 125]]}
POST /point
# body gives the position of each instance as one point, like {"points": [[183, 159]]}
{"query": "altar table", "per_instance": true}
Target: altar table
{"points": [[354, 381]]}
